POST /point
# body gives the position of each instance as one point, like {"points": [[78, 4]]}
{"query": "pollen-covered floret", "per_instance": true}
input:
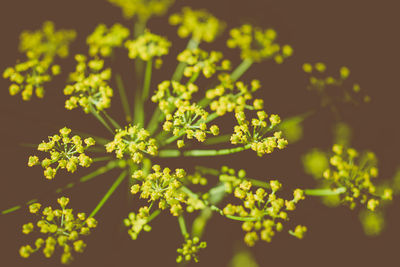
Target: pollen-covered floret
{"points": [[90, 88], [65, 153], [189, 120], [233, 97], [198, 60], [262, 213], [103, 40], [257, 44], [201, 25], [62, 228], [171, 94], [148, 46], [161, 185], [257, 138], [134, 141]]}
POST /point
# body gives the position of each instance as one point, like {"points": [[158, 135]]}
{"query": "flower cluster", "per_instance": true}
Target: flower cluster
{"points": [[198, 60], [257, 139], [90, 89], [189, 120], [162, 186], [133, 140], [103, 40], [257, 44], [170, 95], [147, 46], [143, 9], [40, 47], [67, 152], [321, 85], [233, 96], [354, 172], [190, 249], [62, 227], [200, 24], [259, 211], [28, 77], [47, 42], [138, 222]]}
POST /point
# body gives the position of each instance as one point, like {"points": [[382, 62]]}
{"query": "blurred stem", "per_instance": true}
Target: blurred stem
{"points": [[111, 120], [155, 120], [138, 114], [124, 98], [182, 226], [241, 69], [217, 139], [101, 170], [100, 119], [324, 192], [171, 153], [147, 80], [110, 191]]}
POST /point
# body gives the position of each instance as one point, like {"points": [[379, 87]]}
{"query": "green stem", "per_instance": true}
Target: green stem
{"points": [[324, 192], [193, 78], [241, 69], [138, 114], [217, 139], [259, 183], [217, 194], [182, 226], [177, 76], [101, 170], [110, 191], [171, 153], [232, 217], [111, 165], [147, 80], [124, 98], [207, 170], [110, 119], [155, 120], [153, 215], [101, 159], [100, 119]]}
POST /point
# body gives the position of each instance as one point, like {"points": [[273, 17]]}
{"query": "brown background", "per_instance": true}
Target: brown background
{"points": [[362, 35]]}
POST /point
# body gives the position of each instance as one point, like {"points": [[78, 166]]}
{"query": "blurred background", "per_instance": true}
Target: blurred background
{"points": [[361, 35]]}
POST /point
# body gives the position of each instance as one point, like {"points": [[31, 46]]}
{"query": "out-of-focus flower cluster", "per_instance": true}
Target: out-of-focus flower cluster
{"points": [[103, 40], [199, 24], [257, 44], [41, 47], [354, 172]]}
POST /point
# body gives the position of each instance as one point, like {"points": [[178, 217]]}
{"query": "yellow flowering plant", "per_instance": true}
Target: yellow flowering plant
{"points": [[206, 105]]}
